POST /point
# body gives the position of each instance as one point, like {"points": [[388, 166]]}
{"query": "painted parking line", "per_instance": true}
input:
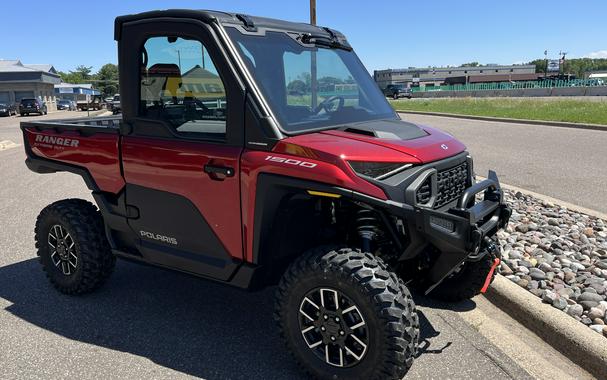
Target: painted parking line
{"points": [[7, 144]]}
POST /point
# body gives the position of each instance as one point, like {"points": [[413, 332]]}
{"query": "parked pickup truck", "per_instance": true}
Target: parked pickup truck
{"points": [[95, 104], [217, 169]]}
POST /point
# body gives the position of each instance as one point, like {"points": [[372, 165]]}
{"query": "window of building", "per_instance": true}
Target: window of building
{"points": [[180, 85]]}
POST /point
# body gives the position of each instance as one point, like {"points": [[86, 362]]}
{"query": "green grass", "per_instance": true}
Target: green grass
{"points": [[576, 111]]}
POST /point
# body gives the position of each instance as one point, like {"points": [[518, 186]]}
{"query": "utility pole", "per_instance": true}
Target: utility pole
{"points": [[313, 12], [546, 68], [313, 71]]}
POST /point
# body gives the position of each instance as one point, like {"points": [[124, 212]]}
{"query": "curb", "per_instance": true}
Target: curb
{"points": [[596, 127], [577, 342]]}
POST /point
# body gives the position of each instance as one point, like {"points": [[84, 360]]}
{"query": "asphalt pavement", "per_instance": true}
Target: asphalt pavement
{"points": [[155, 324], [564, 163]]}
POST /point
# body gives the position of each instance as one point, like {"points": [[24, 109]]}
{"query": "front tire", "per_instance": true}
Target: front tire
{"points": [[72, 247], [344, 315]]}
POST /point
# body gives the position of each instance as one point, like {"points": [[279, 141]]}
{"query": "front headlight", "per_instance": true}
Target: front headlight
{"points": [[378, 170]]}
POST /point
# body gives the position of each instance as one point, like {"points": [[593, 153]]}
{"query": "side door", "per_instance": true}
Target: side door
{"points": [[183, 105]]}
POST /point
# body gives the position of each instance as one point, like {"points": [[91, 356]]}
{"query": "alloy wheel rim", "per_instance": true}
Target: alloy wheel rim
{"points": [[63, 250], [333, 327]]}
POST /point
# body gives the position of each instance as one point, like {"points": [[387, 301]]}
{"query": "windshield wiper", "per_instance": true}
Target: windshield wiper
{"points": [[330, 41]]}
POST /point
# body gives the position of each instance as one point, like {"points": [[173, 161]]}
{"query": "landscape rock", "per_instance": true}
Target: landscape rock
{"points": [[558, 255], [575, 310], [589, 295], [560, 303]]}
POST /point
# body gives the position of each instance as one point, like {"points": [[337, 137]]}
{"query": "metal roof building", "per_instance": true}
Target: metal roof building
{"points": [[18, 81], [435, 76]]}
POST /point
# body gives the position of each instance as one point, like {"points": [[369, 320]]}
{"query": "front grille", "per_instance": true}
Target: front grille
{"points": [[450, 184]]}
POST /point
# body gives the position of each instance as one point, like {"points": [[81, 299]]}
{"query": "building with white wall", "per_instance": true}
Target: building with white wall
{"points": [[18, 81]]}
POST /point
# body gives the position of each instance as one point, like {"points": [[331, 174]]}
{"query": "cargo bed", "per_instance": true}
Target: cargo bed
{"points": [[85, 146]]}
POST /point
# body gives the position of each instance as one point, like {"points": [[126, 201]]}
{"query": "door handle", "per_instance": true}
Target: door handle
{"points": [[214, 170]]}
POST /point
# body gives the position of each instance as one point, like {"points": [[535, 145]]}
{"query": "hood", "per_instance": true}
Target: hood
{"points": [[376, 141], [424, 143], [381, 140]]}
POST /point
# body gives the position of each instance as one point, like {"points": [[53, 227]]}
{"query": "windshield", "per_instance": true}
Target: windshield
{"points": [[310, 88], [64, 102]]}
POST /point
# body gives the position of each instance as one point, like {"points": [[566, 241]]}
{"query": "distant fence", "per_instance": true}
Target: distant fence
{"points": [[542, 84], [515, 92]]}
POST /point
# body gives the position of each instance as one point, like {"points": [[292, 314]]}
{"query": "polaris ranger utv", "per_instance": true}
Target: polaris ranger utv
{"points": [[256, 152]]}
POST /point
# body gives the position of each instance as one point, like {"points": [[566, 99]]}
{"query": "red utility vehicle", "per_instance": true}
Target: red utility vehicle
{"points": [[256, 152]]}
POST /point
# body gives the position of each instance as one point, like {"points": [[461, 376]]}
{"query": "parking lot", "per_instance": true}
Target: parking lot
{"points": [[150, 323]]}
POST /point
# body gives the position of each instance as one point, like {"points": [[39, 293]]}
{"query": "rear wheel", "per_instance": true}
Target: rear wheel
{"points": [[343, 315], [72, 246]]}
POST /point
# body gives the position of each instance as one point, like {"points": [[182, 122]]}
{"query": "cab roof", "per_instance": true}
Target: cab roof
{"points": [[223, 18]]}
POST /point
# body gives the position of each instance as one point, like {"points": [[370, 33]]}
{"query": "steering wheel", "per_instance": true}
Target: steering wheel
{"points": [[324, 105]]}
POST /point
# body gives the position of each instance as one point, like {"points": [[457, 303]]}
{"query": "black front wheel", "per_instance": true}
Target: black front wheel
{"points": [[72, 246], [344, 315]]}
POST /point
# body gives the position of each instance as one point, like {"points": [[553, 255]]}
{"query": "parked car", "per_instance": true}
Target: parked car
{"points": [[66, 105], [8, 109], [396, 91], [116, 108], [30, 105], [344, 205]]}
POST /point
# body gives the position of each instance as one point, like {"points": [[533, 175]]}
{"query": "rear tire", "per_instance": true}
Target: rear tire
{"points": [[466, 283], [72, 247], [347, 289]]}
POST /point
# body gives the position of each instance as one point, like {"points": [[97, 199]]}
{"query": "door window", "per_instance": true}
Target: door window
{"points": [[181, 86]]}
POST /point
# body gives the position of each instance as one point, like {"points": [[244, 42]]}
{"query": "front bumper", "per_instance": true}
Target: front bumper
{"points": [[460, 232], [30, 110]]}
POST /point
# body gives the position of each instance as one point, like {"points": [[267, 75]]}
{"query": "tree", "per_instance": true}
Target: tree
{"points": [[71, 77], [107, 79], [297, 87], [472, 64], [576, 66], [85, 71]]}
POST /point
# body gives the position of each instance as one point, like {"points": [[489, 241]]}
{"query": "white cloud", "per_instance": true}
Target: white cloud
{"points": [[597, 54]]}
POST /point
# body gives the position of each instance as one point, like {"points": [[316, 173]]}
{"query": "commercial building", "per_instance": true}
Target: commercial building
{"points": [[77, 92], [436, 76], [18, 81]]}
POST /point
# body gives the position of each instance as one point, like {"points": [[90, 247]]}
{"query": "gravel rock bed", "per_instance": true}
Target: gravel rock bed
{"points": [[559, 255]]}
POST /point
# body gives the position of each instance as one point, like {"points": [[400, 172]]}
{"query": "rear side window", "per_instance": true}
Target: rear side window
{"points": [[181, 86]]}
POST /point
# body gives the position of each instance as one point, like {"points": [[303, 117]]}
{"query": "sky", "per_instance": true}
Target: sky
{"points": [[384, 33]]}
